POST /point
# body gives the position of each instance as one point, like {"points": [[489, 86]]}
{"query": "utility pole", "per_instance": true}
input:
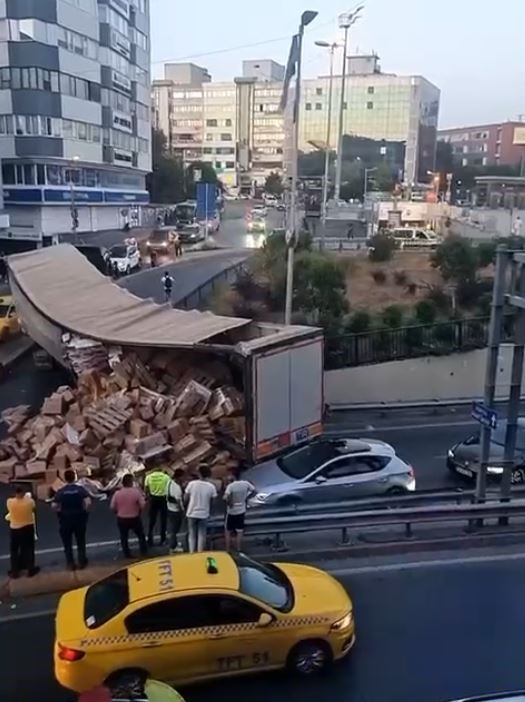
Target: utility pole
{"points": [[332, 48], [494, 340], [346, 20], [307, 17], [72, 202]]}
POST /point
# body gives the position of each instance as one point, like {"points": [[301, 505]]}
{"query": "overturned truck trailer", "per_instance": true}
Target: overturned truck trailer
{"points": [[70, 309]]}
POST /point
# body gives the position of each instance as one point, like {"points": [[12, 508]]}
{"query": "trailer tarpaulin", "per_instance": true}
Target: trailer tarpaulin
{"points": [[60, 284]]}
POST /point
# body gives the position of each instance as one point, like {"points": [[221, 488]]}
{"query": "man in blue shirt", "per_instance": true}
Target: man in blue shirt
{"points": [[72, 504]]}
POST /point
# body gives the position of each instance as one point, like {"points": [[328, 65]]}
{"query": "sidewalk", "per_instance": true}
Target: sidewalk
{"points": [[12, 350]]}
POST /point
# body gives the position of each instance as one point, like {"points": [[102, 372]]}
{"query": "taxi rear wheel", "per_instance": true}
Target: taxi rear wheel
{"points": [[126, 681], [310, 658]]}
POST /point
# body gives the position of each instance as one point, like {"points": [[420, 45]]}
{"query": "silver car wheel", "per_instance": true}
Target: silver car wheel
{"points": [[518, 476], [310, 659]]}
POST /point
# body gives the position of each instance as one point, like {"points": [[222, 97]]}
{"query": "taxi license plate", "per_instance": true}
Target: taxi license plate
{"points": [[464, 471]]}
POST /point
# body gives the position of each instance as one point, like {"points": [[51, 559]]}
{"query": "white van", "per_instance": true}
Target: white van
{"points": [[415, 238]]}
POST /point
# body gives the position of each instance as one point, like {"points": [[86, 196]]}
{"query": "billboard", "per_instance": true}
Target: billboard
{"points": [[519, 136]]}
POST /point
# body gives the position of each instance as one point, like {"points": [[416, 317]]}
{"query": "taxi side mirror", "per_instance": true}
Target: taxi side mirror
{"points": [[265, 619]]}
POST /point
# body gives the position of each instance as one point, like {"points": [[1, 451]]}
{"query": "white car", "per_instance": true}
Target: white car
{"points": [[126, 257], [271, 201], [415, 238], [259, 211]]}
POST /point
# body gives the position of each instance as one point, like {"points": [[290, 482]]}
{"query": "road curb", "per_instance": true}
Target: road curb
{"points": [[55, 582]]}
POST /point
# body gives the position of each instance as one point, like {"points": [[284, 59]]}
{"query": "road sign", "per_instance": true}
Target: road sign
{"points": [[484, 415], [206, 200]]}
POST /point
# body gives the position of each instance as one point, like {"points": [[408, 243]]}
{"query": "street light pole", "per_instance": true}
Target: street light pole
{"points": [[307, 17], [346, 20], [332, 48]]}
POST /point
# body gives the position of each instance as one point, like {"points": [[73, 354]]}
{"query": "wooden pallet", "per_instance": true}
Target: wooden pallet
{"points": [[107, 420]]}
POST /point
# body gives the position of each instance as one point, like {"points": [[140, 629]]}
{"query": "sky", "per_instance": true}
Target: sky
{"points": [[471, 50]]}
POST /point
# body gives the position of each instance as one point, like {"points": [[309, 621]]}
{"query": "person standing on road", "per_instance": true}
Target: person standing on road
{"points": [[176, 509], [178, 245], [167, 284], [72, 503], [128, 504], [199, 497], [236, 496], [156, 486], [21, 518]]}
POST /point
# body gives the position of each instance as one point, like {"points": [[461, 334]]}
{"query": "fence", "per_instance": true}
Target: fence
{"points": [[200, 296], [409, 342]]}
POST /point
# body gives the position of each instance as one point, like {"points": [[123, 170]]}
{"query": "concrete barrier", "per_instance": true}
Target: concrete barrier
{"points": [[419, 380]]}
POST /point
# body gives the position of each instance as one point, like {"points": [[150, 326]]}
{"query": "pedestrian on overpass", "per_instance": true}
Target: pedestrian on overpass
{"points": [[156, 486], [128, 504], [167, 284], [72, 504], [21, 518]]}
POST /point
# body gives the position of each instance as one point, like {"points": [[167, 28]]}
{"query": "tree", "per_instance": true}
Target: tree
{"points": [[393, 316], [384, 178], [382, 248], [166, 182], [207, 175], [320, 287], [456, 259], [274, 184]]}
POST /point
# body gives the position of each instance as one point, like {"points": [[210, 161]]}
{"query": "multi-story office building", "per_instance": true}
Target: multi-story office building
{"points": [[501, 144], [383, 114], [75, 113], [235, 126]]}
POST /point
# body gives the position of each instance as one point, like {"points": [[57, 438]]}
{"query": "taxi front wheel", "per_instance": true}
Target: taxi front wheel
{"points": [[309, 658]]}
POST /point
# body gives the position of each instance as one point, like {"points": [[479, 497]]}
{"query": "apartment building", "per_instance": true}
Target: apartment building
{"points": [[75, 114], [500, 144]]}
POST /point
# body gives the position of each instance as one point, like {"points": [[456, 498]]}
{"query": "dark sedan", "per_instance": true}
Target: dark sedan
{"points": [[464, 458]]}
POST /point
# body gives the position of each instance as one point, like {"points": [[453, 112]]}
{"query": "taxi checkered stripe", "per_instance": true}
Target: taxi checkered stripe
{"points": [[284, 623]]}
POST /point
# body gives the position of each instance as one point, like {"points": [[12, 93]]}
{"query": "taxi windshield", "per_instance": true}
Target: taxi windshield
{"points": [[265, 582], [106, 598]]}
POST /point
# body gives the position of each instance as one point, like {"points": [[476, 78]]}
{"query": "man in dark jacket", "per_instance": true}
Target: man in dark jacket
{"points": [[72, 505]]}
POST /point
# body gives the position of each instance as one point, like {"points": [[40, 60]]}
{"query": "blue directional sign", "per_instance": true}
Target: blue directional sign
{"points": [[206, 200], [484, 415]]}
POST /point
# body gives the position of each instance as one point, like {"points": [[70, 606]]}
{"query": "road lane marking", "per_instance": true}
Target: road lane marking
{"points": [[59, 549], [345, 572]]}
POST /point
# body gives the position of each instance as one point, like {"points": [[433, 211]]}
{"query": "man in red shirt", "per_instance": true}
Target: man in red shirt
{"points": [[128, 504]]}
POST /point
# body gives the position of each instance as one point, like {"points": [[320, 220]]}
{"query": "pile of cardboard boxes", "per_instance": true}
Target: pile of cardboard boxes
{"points": [[146, 406]]}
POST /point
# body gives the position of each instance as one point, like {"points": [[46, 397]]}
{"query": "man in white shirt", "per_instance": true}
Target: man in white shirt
{"points": [[236, 496], [198, 497], [175, 509]]}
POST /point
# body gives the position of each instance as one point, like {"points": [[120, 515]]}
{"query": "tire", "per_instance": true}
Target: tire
{"points": [[309, 658], [289, 502], [393, 491], [128, 270], [127, 682], [518, 476]]}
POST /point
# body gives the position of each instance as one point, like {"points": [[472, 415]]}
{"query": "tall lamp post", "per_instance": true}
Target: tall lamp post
{"points": [[346, 20], [306, 18], [332, 47]]}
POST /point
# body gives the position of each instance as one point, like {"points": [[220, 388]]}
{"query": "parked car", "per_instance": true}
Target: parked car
{"points": [[9, 322], [464, 458], [413, 238], [331, 469], [126, 257]]}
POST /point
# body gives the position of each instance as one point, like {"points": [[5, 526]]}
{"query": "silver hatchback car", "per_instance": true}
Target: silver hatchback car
{"points": [[331, 470]]}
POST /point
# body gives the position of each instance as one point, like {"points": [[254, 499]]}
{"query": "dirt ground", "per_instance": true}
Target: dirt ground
{"points": [[364, 293]]}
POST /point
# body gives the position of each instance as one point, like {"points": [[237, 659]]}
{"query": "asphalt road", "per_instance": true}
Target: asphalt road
{"points": [[469, 641]]}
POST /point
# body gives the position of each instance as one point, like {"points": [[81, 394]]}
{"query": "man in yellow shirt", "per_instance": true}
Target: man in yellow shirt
{"points": [[156, 487], [21, 518]]}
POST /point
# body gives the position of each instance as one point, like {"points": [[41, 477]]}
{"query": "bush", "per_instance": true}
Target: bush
{"points": [[445, 334], [381, 248], [426, 312], [440, 299], [400, 278], [469, 292], [486, 253], [414, 336], [456, 259], [393, 316], [380, 277], [359, 323], [412, 289]]}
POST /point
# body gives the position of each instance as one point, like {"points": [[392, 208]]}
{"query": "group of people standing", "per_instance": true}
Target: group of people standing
{"points": [[170, 502]]}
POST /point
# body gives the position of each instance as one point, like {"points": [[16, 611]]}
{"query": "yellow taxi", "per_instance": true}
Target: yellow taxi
{"points": [[188, 618], [9, 322]]}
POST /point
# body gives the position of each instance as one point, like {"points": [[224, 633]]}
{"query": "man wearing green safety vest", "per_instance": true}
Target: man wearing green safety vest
{"points": [[156, 486]]}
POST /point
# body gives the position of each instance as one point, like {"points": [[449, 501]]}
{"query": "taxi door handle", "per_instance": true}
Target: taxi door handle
{"points": [[218, 636], [152, 644]]}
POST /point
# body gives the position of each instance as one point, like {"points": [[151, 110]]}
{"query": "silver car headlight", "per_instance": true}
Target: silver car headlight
{"points": [[450, 453], [261, 497], [495, 470]]}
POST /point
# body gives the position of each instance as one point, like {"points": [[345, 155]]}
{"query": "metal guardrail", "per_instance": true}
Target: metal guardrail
{"points": [[200, 295], [407, 342], [472, 515]]}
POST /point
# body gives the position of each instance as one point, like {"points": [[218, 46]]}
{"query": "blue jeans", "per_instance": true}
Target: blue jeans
{"points": [[197, 534]]}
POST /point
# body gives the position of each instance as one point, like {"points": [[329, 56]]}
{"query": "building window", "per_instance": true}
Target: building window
{"points": [[318, 106], [308, 106], [29, 174], [226, 136], [227, 123], [230, 164], [211, 122], [371, 90], [8, 174], [207, 150], [209, 137], [218, 165], [40, 174], [369, 105], [318, 91]]}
